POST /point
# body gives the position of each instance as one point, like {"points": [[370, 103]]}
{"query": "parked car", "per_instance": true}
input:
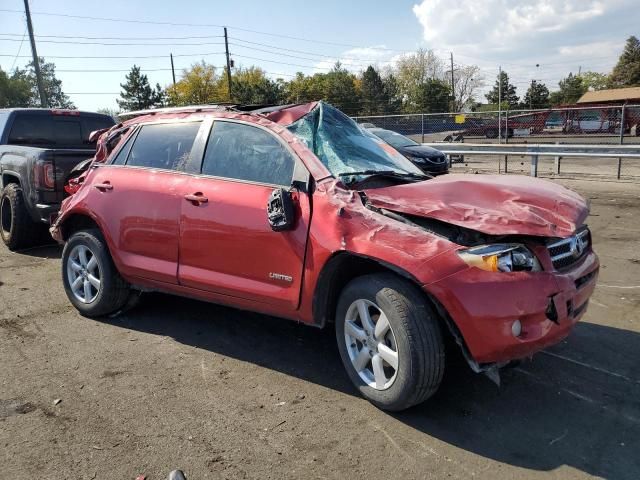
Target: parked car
{"points": [[296, 212], [427, 159], [38, 150]]}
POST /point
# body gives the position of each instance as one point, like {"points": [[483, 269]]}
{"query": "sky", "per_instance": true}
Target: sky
{"points": [[539, 40]]}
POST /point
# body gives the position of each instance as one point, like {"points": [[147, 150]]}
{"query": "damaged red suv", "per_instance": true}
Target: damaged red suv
{"points": [[294, 211]]}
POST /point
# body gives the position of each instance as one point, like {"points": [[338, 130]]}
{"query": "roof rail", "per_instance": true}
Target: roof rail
{"points": [[188, 108]]}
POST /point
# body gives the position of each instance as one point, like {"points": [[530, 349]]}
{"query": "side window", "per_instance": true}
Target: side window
{"points": [[163, 145], [121, 157], [249, 153]]}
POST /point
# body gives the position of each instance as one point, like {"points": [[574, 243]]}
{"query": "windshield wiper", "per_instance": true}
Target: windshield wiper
{"points": [[383, 173]]}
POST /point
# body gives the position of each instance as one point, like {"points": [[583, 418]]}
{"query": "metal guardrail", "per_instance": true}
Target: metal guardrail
{"points": [[537, 150]]}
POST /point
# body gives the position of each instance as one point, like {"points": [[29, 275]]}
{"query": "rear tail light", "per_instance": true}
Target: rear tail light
{"points": [[44, 175]]}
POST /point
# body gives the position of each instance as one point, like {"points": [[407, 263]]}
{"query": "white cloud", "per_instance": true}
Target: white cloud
{"points": [[357, 59], [531, 39]]}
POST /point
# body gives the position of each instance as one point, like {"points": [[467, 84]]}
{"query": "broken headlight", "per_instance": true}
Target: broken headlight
{"points": [[501, 257]]}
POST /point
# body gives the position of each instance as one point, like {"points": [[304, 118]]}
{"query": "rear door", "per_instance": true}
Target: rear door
{"points": [[227, 245], [138, 197]]}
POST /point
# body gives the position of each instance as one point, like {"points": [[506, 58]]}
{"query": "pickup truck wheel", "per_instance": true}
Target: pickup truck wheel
{"points": [[90, 278], [17, 228], [390, 341]]}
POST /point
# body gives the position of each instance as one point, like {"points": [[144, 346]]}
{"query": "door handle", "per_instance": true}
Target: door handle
{"points": [[103, 186], [196, 198]]}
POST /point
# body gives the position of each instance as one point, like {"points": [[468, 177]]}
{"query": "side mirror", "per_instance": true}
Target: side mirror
{"points": [[280, 210]]}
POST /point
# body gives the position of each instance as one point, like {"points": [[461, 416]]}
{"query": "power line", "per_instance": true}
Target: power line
{"points": [[120, 56], [118, 38], [302, 51], [176, 24], [15, 59], [117, 44]]}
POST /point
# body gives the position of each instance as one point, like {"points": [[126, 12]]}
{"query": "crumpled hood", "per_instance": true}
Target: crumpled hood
{"points": [[492, 204]]}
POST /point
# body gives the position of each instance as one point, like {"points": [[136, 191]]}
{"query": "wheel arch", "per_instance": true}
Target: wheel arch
{"points": [[78, 221], [9, 177], [340, 269]]}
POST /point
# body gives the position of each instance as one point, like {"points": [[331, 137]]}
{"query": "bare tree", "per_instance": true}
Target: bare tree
{"points": [[467, 79]]}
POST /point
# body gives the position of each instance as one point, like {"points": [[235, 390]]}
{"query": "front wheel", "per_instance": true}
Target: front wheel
{"points": [[91, 281], [390, 341]]}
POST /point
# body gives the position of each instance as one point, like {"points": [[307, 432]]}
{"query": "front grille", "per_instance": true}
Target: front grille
{"points": [[567, 251]]}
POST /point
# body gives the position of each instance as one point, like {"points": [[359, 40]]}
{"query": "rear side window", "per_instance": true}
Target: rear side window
{"points": [[164, 145], [249, 153], [32, 129]]}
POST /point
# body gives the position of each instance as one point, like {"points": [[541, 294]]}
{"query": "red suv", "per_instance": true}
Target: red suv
{"points": [[294, 211]]}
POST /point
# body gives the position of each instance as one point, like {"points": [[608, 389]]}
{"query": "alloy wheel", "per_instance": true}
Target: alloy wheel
{"points": [[83, 274], [371, 344]]}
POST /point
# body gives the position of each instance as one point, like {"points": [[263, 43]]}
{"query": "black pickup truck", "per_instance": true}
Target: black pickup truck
{"points": [[38, 150]]}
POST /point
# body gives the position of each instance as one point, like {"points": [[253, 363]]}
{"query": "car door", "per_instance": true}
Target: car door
{"points": [[138, 197], [226, 243]]}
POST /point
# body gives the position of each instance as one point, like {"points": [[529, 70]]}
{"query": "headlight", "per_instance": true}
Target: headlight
{"points": [[501, 257], [416, 159]]}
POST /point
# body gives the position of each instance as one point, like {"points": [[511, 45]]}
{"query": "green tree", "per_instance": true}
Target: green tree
{"points": [[15, 90], [508, 91], [626, 73], [137, 93], [392, 93], [595, 80], [112, 112], [252, 86], [537, 96], [340, 90], [373, 93], [570, 90], [432, 96], [52, 86]]}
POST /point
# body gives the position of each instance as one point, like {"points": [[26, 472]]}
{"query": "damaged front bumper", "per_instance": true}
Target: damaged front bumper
{"points": [[486, 306]]}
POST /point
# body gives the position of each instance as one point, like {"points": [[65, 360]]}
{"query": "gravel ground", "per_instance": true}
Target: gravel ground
{"points": [[223, 393]]}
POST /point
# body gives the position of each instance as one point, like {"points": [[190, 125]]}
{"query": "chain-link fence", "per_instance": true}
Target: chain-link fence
{"points": [[590, 125]]}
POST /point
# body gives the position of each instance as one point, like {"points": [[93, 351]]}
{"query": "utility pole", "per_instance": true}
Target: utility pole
{"points": [[36, 61], [500, 104], [226, 47], [173, 72], [453, 92]]}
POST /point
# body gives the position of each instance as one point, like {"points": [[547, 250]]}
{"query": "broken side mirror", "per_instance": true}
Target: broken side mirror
{"points": [[280, 210]]}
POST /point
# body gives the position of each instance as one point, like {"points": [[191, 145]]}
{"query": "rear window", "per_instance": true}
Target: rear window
{"points": [[55, 131]]}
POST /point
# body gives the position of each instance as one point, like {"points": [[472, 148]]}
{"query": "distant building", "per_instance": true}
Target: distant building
{"points": [[613, 96]]}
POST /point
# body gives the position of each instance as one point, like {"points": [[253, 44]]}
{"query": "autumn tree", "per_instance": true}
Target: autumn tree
{"points": [[626, 73], [137, 93], [502, 88]]}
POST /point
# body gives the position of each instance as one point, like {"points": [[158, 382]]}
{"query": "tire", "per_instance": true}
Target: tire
{"points": [[85, 259], [413, 335], [17, 228], [491, 133]]}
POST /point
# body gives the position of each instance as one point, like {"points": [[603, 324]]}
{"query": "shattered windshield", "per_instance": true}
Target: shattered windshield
{"points": [[346, 148]]}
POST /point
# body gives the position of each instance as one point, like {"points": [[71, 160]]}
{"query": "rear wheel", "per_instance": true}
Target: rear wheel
{"points": [[17, 228], [491, 133], [91, 281], [390, 341]]}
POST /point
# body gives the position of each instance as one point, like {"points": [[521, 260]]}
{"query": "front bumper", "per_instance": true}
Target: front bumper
{"points": [[485, 305]]}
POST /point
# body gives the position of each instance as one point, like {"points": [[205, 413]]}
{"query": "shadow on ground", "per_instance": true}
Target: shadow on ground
{"points": [[577, 405]]}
